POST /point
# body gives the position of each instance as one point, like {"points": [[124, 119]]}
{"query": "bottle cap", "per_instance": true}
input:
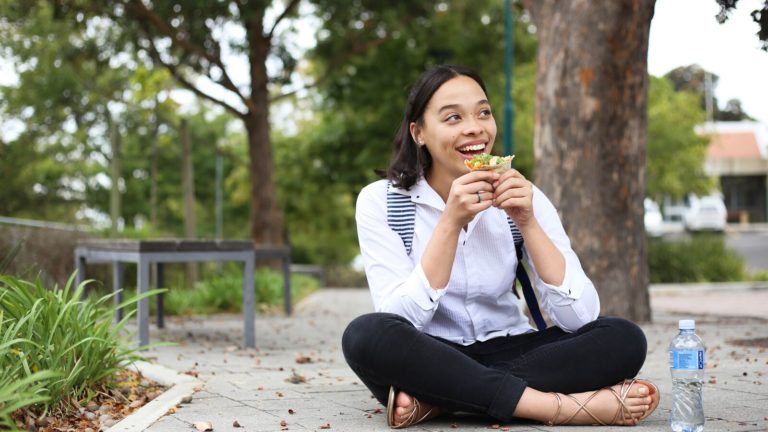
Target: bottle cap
{"points": [[686, 324]]}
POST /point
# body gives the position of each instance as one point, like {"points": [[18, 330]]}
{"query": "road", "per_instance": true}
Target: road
{"points": [[753, 246]]}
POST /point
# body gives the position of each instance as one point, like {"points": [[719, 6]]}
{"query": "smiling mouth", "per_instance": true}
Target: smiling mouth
{"points": [[469, 151]]}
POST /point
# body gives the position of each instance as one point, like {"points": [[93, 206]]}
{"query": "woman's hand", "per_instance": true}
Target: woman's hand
{"points": [[469, 195], [514, 193]]}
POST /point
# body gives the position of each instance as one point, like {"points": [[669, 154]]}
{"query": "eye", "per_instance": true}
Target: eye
{"points": [[485, 112], [453, 118]]}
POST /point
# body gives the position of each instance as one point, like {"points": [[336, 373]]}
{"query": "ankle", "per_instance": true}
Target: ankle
{"points": [[559, 402]]}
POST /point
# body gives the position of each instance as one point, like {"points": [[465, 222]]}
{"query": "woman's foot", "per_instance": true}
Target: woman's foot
{"points": [[404, 410], [625, 403]]}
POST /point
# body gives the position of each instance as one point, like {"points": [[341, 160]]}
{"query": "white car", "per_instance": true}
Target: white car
{"points": [[653, 219], [706, 214]]}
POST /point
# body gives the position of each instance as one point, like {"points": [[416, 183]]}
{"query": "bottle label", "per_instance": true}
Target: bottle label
{"points": [[688, 359]]}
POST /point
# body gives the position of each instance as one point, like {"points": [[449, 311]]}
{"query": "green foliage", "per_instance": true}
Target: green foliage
{"points": [[56, 347], [224, 293], [19, 387], [675, 153], [700, 258], [320, 169]]}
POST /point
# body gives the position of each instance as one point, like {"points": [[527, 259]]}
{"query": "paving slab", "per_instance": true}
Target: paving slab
{"points": [[296, 378]]}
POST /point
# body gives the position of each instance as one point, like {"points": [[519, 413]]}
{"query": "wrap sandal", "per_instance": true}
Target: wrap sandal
{"points": [[621, 395], [417, 415]]}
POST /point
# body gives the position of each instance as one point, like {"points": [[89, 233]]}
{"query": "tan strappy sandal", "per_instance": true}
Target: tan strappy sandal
{"points": [[414, 417], [621, 396]]}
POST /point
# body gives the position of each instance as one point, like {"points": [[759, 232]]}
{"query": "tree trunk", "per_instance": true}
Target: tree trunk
{"points": [[266, 217], [153, 167], [115, 200], [590, 136], [188, 187]]}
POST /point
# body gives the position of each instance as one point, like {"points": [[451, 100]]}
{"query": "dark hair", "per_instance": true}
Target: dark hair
{"points": [[409, 160]]}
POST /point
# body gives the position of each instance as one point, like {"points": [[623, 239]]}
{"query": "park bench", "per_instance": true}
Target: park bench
{"points": [[145, 253]]}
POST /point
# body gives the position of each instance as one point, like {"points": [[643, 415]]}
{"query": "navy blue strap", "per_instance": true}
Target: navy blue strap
{"points": [[530, 297]]}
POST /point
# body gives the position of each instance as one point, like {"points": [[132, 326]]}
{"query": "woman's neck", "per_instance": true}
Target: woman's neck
{"points": [[441, 184]]}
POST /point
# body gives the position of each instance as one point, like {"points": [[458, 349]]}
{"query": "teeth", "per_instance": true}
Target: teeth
{"points": [[472, 147]]}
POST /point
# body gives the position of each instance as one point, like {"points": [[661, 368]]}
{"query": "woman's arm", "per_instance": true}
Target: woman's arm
{"points": [[460, 208], [567, 294]]}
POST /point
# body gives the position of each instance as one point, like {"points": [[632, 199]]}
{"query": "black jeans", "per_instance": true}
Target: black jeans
{"points": [[489, 377]]}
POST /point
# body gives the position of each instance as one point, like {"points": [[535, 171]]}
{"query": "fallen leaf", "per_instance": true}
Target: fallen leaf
{"points": [[236, 424], [203, 426], [138, 402], [325, 426], [296, 379], [301, 359], [191, 373], [291, 411]]}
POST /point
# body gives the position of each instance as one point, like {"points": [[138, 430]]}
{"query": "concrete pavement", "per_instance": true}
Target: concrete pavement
{"points": [[297, 379]]}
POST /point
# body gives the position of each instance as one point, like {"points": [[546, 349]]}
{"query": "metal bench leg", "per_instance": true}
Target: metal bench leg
{"points": [[249, 304], [142, 283], [117, 287], [80, 267], [287, 303], [160, 297]]}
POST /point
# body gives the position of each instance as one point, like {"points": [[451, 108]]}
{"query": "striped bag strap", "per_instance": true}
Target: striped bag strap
{"points": [[401, 216]]}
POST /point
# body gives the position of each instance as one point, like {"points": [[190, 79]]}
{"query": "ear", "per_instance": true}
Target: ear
{"points": [[416, 133]]}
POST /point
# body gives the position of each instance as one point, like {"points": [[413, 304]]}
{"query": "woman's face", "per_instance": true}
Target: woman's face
{"points": [[457, 124]]}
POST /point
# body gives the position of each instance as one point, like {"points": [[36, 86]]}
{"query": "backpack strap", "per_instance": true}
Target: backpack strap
{"points": [[525, 281], [401, 218]]}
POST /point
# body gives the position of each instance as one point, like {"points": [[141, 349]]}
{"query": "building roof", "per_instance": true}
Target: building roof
{"points": [[736, 140]]}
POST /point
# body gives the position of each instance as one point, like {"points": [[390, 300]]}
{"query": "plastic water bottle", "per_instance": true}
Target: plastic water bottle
{"points": [[686, 363]]}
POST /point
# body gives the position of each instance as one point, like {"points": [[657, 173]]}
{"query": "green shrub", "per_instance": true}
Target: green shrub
{"points": [[699, 258], [72, 345], [224, 293], [16, 392]]}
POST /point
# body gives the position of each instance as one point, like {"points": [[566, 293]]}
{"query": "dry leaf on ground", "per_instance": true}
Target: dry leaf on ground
{"points": [[203, 426]]}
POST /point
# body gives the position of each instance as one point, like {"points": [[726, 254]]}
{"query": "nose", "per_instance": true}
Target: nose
{"points": [[473, 126]]}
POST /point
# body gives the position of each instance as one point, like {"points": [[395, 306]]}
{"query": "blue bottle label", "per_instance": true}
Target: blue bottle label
{"points": [[688, 359]]}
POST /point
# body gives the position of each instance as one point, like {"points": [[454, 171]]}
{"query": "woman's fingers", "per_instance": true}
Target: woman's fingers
{"points": [[478, 176]]}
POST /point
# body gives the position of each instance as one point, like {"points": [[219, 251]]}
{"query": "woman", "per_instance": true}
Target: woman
{"points": [[449, 334]]}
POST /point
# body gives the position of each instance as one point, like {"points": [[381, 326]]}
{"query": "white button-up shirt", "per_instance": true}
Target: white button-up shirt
{"points": [[478, 303]]}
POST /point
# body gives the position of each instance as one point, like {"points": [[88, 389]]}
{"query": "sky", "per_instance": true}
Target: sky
{"points": [[685, 32]]}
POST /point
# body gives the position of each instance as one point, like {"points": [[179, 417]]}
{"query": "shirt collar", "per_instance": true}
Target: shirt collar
{"points": [[421, 192]]}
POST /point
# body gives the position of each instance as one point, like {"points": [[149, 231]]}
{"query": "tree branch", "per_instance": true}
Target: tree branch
{"points": [[173, 69], [285, 13], [142, 11]]}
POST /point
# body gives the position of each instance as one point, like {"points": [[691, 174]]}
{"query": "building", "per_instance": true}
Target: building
{"points": [[738, 156]]}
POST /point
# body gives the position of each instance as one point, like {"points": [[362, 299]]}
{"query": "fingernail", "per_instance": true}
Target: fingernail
{"points": [[643, 390]]}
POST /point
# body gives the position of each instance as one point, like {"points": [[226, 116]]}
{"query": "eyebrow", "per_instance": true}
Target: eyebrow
{"points": [[457, 106]]}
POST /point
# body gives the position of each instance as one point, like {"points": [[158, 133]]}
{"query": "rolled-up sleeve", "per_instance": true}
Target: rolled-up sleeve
{"points": [[397, 284], [574, 302]]}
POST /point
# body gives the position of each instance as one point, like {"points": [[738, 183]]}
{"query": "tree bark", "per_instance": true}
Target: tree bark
{"points": [[266, 217], [188, 186], [590, 136], [115, 198]]}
